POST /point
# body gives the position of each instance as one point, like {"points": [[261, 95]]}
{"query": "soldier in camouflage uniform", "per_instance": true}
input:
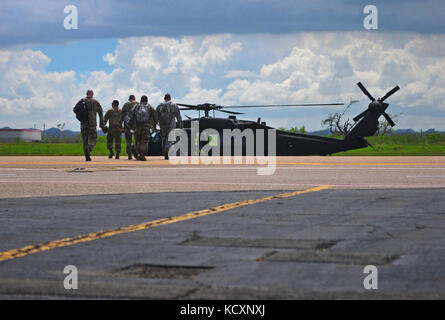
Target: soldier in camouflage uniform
{"points": [[88, 128], [128, 107], [113, 116], [142, 130], [167, 112]]}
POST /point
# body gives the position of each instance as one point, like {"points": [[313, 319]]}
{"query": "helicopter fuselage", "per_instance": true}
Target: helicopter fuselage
{"points": [[253, 135], [233, 137]]}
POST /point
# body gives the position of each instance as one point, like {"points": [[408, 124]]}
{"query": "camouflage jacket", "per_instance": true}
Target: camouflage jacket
{"points": [[128, 106], [113, 116], [94, 108], [167, 112]]}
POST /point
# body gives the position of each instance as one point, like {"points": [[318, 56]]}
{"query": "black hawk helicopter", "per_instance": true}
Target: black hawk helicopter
{"points": [[287, 143]]}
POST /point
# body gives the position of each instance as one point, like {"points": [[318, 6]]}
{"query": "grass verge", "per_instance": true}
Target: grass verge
{"points": [[388, 145]]}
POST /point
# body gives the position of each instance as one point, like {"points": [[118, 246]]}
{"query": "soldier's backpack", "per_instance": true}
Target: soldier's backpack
{"points": [[166, 114], [81, 110], [127, 119], [142, 113]]}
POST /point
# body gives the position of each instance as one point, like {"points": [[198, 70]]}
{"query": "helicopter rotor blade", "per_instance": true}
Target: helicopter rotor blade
{"points": [[388, 118], [231, 112], [187, 105], [361, 115], [287, 105], [390, 93], [362, 87]]}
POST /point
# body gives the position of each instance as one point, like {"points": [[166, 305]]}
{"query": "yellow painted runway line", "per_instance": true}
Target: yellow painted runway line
{"points": [[17, 253]]}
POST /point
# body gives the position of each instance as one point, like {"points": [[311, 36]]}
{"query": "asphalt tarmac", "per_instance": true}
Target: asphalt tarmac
{"points": [[193, 231]]}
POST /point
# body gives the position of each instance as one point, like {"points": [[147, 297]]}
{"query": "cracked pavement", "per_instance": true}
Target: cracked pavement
{"points": [[309, 246]]}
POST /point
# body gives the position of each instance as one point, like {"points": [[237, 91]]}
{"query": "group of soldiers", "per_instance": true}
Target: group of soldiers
{"points": [[138, 118]]}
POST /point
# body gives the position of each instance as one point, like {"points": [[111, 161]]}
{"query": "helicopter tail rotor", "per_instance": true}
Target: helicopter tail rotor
{"points": [[377, 106], [368, 124]]}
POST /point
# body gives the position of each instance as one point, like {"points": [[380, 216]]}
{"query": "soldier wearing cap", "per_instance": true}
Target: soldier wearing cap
{"points": [[113, 116], [88, 128]]}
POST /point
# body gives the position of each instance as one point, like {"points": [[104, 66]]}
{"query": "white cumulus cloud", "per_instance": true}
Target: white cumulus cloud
{"points": [[241, 69]]}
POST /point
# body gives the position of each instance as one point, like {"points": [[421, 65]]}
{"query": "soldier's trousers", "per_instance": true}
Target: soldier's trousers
{"points": [[89, 138], [116, 135], [164, 136], [128, 140], [142, 136]]}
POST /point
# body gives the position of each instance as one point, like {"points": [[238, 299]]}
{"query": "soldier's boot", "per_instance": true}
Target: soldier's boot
{"points": [[110, 155], [87, 158], [142, 158], [117, 155], [130, 157]]}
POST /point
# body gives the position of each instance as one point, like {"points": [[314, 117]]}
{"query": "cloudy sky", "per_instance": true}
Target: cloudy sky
{"points": [[232, 52]]}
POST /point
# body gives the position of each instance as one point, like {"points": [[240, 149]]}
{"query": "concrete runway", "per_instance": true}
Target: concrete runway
{"points": [[66, 176], [142, 230]]}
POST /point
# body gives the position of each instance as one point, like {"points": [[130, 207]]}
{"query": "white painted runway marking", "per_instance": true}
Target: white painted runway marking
{"points": [[414, 177], [279, 167]]}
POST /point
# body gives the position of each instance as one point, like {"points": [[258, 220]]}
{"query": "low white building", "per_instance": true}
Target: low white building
{"points": [[27, 135]]}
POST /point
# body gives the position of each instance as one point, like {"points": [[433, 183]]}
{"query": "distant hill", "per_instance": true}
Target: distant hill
{"points": [[411, 131], [404, 131], [57, 133], [320, 132]]}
